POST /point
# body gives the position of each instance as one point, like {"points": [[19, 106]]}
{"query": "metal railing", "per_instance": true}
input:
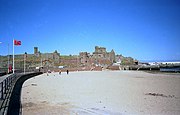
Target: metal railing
{"points": [[10, 92], [6, 87]]}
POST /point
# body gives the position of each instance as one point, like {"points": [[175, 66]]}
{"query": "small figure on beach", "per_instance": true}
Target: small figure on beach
{"points": [[59, 72], [67, 72]]}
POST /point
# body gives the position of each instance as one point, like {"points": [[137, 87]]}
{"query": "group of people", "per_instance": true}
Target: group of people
{"points": [[59, 72], [66, 71]]}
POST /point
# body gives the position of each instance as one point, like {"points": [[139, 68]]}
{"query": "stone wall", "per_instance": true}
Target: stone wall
{"points": [[99, 57]]}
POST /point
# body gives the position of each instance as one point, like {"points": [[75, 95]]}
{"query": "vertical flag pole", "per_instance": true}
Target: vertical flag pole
{"points": [[24, 64], [25, 54], [8, 58], [13, 56]]}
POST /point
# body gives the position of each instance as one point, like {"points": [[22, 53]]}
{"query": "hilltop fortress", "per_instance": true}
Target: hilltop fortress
{"points": [[100, 57]]}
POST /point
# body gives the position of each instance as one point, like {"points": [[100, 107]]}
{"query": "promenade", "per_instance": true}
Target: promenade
{"points": [[101, 93]]}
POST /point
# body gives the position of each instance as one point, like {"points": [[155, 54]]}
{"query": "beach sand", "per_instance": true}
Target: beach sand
{"points": [[101, 93]]}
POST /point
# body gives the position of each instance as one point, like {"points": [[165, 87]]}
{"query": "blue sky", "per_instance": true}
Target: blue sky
{"points": [[142, 29]]}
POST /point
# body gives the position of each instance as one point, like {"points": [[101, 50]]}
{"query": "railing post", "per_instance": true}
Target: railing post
{"points": [[8, 81], [2, 95], [14, 77], [11, 81], [5, 86]]}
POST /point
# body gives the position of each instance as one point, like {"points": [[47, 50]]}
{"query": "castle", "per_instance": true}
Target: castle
{"points": [[47, 58], [99, 57], [100, 52], [32, 60]]}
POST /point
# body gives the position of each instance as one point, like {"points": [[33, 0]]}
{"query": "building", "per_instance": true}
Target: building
{"points": [[99, 57], [100, 52], [84, 57], [55, 56]]}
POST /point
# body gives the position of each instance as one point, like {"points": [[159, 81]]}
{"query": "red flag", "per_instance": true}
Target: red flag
{"points": [[17, 43]]}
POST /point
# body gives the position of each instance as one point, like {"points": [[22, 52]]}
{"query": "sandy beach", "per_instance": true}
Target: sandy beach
{"points": [[102, 93]]}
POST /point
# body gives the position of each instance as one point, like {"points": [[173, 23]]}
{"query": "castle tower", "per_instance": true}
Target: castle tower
{"points": [[112, 55], [96, 48], [35, 50], [84, 58]]}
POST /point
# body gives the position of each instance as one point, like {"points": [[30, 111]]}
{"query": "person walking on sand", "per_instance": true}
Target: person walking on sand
{"points": [[59, 72], [67, 72]]}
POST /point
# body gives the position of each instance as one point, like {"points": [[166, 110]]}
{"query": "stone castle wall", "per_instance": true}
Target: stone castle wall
{"points": [[99, 57]]}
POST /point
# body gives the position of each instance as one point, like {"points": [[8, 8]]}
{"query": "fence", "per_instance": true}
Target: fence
{"points": [[10, 92], [17, 70], [6, 87]]}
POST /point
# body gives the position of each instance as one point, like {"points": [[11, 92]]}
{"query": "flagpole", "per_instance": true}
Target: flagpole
{"points": [[8, 57], [13, 56], [24, 63], [25, 54]]}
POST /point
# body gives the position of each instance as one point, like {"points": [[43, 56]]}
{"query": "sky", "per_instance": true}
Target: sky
{"points": [[142, 29]]}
